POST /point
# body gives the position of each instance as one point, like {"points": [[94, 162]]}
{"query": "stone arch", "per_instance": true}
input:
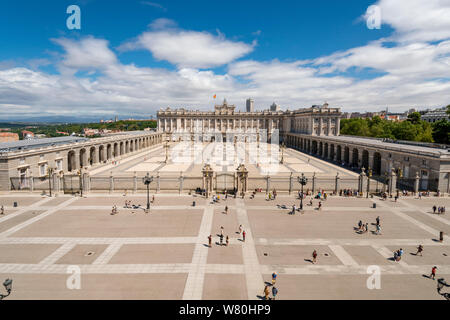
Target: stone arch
{"points": [[376, 167], [108, 152], [122, 148], [347, 155], [116, 150], [131, 145], [83, 158], [365, 159], [92, 156], [339, 154], [320, 149], [325, 151], [355, 157], [101, 153], [332, 152], [314, 147], [71, 161]]}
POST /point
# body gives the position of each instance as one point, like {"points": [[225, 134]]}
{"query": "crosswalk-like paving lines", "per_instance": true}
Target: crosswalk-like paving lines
{"points": [[346, 242], [419, 224], [37, 218], [123, 161], [433, 216], [343, 255], [253, 276], [109, 252], [193, 289], [386, 253], [35, 206], [56, 240], [58, 254]]}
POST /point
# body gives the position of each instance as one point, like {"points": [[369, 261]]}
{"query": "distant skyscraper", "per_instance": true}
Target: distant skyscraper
{"points": [[250, 105], [116, 119], [274, 107]]}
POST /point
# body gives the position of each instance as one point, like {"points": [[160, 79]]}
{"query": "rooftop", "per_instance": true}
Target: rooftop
{"points": [[38, 143]]}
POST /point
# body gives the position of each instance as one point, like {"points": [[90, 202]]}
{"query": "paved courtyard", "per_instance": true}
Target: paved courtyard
{"points": [[164, 254]]}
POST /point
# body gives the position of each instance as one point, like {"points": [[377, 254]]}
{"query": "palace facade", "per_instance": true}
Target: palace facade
{"points": [[315, 121]]}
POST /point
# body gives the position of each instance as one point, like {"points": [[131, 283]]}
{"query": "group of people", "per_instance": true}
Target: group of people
{"points": [[348, 193], [364, 227], [227, 239], [440, 210], [272, 195]]}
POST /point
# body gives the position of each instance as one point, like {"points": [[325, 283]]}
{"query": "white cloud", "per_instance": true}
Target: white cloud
{"points": [[188, 49], [88, 52], [417, 20]]}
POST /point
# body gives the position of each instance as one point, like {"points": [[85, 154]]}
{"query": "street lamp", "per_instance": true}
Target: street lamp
{"points": [[166, 146], [369, 175], [282, 152], [303, 181], [80, 174], [50, 175], [147, 180], [8, 286]]}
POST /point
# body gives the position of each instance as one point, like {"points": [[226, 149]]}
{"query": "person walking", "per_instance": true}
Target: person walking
{"points": [[434, 209], [367, 227], [221, 239], [360, 225], [274, 292], [227, 241], [243, 236], [274, 278], [320, 206], [221, 231], [314, 256], [209, 240], [433, 272], [2, 210], [419, 250], [378, 220], [226, 209], [266, 292], [378, 232], [240, 228]]}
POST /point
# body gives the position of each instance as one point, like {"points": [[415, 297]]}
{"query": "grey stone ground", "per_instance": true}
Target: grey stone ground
{"points": [[164, 254]]}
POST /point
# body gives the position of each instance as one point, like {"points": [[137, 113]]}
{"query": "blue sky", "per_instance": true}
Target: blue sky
{"points": [[134, 57]]}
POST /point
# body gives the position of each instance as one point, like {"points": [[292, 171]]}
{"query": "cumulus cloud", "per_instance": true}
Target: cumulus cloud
{"points": [[188, 49]]}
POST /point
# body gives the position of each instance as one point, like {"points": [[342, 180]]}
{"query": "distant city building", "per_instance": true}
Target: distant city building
{"points": [[27, 134], [250, 104], [436, 115], [275, 107], [116, 119], [8, 136], [88, 132]]}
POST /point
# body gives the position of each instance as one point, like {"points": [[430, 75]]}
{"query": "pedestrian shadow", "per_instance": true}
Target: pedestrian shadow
{"points": [[426, 276], [436, 240], [240, 240], [267, 283], [206, 245], [413, 254], [391, 259], [261, 297], [309, 260]]}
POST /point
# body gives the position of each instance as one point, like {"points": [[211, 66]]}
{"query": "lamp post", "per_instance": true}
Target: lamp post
{"points": [[369, 175], [50, 174], [303, 181], [8, 286], [166, 146], [147, 180], [80, 174], [282, 152]]}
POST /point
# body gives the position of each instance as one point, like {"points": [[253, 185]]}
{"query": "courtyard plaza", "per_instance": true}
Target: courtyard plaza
{"points": [[164, 254], [188, 158]]}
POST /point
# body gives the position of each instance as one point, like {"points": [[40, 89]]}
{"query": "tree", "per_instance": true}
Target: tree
{"points": [[414, 117], [441, 131], [448, 109]]}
